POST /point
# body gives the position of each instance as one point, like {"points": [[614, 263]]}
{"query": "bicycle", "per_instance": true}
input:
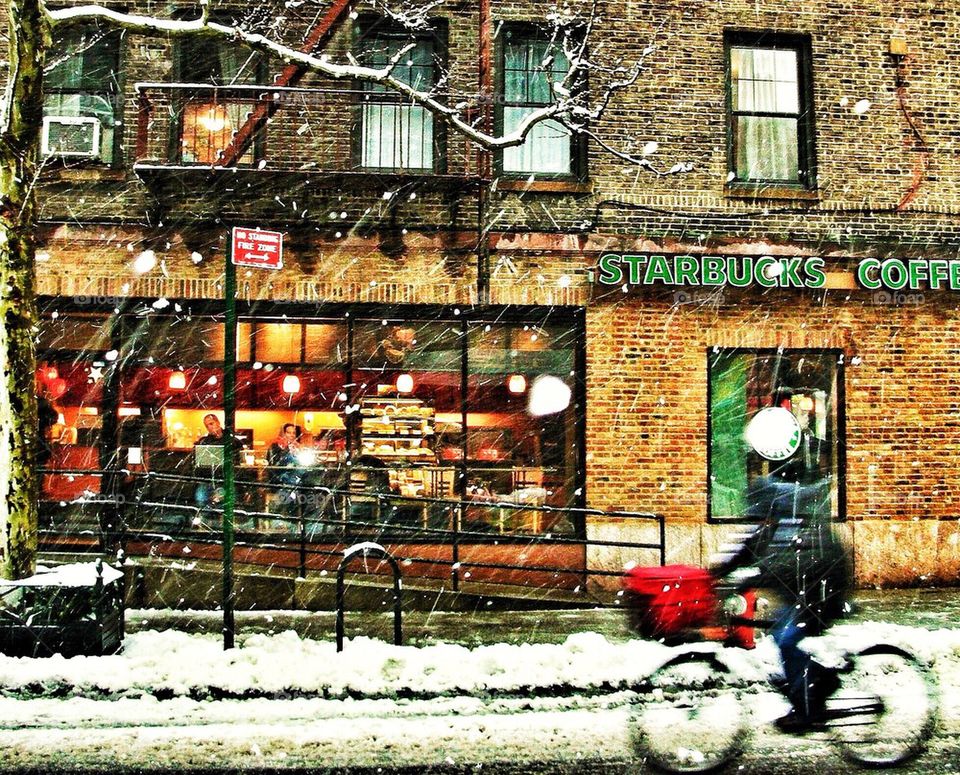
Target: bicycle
{"points": [[689, 716]]}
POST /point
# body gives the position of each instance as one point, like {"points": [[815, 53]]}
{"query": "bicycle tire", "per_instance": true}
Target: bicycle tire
{"points": [[687, 719], [885, 710]]}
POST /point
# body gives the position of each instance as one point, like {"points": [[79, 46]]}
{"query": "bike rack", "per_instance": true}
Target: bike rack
{"points": [[366, 549]]}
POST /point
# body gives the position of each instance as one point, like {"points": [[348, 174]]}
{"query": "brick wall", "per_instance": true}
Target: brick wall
{"points": [[888, 184], [647, 410]]}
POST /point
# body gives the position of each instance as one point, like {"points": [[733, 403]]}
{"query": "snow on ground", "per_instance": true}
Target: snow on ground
{"points": [[176, 664], [293, 701]]}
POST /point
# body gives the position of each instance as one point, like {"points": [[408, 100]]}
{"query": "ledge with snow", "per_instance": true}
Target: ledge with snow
{"points": [[70, 610]]}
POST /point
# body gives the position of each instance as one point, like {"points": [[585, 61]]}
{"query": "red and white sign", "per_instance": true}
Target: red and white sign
{"points": [[257, 248]]}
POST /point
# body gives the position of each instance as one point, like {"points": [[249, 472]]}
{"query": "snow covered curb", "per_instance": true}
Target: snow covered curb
{"points": [[171, 663], [175, 664]]}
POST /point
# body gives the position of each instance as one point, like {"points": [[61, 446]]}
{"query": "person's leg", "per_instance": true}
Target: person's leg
{"points": [[808, 683], [787, 634]]}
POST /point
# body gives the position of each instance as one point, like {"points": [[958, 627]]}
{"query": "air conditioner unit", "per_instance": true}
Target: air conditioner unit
{"points": [[71, 136]]}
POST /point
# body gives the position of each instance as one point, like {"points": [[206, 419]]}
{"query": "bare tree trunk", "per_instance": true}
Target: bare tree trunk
{"points": [[19, 141]]}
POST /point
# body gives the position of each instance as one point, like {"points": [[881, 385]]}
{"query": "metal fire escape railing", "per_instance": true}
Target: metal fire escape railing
{"points": [[338, 131], [266, 107]]}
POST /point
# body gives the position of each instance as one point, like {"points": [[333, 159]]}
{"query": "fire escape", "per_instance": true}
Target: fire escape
{"points": [[222, 145]]}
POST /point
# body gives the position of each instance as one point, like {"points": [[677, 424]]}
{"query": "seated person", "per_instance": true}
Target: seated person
{"points": [[208, 493], [284, 465], [283, 451]]}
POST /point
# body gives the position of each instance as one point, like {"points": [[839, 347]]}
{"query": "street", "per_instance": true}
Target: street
{"points": [[177, 702], [556, 735]]}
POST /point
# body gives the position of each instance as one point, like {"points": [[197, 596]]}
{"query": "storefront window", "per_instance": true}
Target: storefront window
{"points": [[72, 369], [807, 450], [289, 402], [348, 424], [407, 391]]}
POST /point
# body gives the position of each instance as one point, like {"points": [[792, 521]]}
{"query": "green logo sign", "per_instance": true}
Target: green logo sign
{"points": [[774, 433], [895, 274], [736, 271]]}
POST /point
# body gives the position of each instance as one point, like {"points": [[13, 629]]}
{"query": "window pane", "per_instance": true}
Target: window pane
{"points": [[70, 396], [742, 384], [766, 148], [788, 97], [168, 392], [80, 333], [393, 135], [85, 60], [515, 71], [325, 343], [546, 149], [521, 431], [202, 60], [407, 388], [278, 342], [397, 137], [415, 68], [208, 128], [181, 341], [531, 67], [741, 63], [764, 80]]}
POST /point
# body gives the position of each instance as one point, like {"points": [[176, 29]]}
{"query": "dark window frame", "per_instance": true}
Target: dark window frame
{"points": [[841, 427], [181, 99], [437, 34], [578, 141], [806, 132], [114, 94]]}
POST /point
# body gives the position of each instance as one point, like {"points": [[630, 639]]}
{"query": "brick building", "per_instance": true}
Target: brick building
{"points": [[822, 158]]}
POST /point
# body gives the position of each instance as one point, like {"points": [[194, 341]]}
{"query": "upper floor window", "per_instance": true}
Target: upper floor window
{"points": [[770, 124], [81, 95], [531, 64], [396, 134], [210, 117], [218, 62]]}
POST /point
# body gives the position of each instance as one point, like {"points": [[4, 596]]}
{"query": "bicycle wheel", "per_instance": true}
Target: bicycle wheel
{"points": [[687, 719], [885, 709]]}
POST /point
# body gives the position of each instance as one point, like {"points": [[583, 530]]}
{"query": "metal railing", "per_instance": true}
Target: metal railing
{"points": [[310, 130], [320, 521]]}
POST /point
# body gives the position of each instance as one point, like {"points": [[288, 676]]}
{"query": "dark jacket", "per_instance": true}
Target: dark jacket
{"points": [[279, 457], [46, 418], [795, 549]]}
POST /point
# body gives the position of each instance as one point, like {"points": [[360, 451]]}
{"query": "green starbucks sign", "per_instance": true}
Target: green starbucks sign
{"points": [[896, 274], [706, 271]]}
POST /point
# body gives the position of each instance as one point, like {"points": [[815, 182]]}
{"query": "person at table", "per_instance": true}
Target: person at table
{"points": [[285, 468], [212, 492]]}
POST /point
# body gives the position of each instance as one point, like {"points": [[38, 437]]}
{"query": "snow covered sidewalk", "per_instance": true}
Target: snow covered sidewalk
{"points": [[171, 664], [172, 701]]}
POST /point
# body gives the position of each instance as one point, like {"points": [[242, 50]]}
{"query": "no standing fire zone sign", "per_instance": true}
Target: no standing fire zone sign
{"points": [[257, 248]]}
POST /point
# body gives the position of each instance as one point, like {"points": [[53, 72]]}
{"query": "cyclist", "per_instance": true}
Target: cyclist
{"points": [[795, 552]]}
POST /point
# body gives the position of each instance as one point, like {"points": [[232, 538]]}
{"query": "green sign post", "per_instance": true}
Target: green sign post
{"points": [[229, 435], [262, 250]]}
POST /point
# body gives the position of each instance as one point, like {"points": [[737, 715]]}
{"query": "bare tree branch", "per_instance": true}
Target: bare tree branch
{"points": [[204, 26], [571, 106]]}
